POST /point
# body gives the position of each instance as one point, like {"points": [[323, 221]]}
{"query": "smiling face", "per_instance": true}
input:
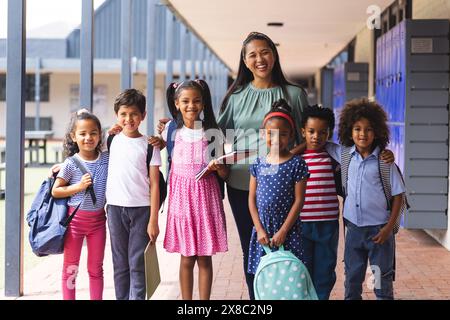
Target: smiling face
{"points": [[259, 59], [190, 104], [86, 135], [316, 133], [129, 118], [278, 135], [363, 135]]}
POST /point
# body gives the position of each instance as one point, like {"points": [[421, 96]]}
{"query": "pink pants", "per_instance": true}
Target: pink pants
{"points": [[89, 224]]}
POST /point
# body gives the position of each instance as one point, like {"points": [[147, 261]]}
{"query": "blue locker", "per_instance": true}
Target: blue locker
{"points": [[350, 82], [388, 72], [378, 69], [412, 86], [395, 106], [402, 70], [379, 63]]}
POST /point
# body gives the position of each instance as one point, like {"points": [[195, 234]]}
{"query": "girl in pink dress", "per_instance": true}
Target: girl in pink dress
{"points": [[195, 219]]}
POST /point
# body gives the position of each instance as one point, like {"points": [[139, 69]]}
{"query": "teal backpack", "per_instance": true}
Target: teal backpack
{"points": [[282, 276]]}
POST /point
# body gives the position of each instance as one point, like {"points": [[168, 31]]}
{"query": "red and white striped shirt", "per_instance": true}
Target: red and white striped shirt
{"points": [[321, 202]]}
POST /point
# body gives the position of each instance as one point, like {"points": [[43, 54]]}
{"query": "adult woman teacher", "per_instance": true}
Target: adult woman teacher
{"points": [[259, 83]]}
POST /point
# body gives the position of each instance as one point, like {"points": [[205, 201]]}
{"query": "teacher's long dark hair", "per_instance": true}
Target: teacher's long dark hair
{"points": [[245, 76]]}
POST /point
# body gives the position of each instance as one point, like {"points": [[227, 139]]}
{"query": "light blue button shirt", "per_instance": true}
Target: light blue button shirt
{"points": [[366, 204]]}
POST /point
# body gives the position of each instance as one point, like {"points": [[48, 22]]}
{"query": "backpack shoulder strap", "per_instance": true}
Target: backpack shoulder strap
{"points": [[84, 170], [170, 143], [385, 177], [109, 141], [345, 164], [405, 199], [384, 170]]}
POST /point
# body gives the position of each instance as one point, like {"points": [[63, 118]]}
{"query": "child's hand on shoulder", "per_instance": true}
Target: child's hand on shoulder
{"points": [[299, 149], [278, 239], [115, 129], [387, 156], [383, 235], [54, 169], [85, 182], [162, 124], [157, 142], [263, 237]]}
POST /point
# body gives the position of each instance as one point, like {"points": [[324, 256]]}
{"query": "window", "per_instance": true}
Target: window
{"points": [[30, 91], [29, 87], [99, 100]]}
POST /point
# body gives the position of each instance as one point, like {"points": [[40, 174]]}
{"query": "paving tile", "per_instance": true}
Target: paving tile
{"points": [[423, 271]]}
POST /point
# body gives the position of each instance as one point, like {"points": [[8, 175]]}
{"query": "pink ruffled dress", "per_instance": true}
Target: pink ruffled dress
{"points": [[195, 217]]}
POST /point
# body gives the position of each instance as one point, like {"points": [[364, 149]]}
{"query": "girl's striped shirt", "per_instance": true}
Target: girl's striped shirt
{"points": [[99, 172], [321, 202]]}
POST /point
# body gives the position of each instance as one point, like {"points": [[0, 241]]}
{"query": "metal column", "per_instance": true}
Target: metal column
{"points": [[207, 67], [15, 125], [170, 26], [201, 55], [182, 52], [216, 82], [125, 44], [193, 53], [37, 94], [87, 54], [151, 63]]}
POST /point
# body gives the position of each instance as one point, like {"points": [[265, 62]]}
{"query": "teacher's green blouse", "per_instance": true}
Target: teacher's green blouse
{"points": [[244, 114]]}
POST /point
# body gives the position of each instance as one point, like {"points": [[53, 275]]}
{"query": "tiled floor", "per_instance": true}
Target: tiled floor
{"points": [[423, 271]]}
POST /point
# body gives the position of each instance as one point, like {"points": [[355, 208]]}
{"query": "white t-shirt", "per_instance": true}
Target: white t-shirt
{"points": [[188, 135], [128, 183]]}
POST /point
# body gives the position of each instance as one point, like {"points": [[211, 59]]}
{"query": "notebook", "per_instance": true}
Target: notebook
{"points": [[152, 276], [229, 158]]}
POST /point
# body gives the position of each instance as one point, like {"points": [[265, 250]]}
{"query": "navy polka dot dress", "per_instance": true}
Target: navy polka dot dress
{"points": [[275, 193]]}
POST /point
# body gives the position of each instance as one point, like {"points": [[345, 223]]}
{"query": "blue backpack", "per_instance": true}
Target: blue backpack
{"points": [[48, 219], [282, 276]]}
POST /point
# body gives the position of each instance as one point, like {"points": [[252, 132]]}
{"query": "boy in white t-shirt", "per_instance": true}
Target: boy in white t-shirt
{"points": [[132, 195]]}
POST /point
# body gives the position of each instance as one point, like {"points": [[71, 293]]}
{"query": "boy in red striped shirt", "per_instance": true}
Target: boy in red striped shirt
{"points": [[320, 213]]}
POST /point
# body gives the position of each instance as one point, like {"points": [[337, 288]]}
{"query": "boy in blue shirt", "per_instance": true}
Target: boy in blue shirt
{"points": [[370, 226]]}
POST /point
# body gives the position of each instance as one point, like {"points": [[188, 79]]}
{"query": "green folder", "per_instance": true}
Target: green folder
{"points": [[152, 276]]}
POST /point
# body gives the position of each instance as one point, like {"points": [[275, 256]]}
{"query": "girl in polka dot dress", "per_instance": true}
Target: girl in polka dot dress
{"points": [[277, 189], [195, 216]]}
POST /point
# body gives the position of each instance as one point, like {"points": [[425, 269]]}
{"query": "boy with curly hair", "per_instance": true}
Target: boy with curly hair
{"points": [[370, 225]]}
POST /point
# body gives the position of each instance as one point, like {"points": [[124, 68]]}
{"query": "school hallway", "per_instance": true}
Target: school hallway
{"points": [[423, 271]]}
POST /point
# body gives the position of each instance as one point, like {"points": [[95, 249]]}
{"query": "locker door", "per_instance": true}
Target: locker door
{"points": [[378, 70], [395, 80], [403, 70], [383, 70], [327, 87], [426, 105]]}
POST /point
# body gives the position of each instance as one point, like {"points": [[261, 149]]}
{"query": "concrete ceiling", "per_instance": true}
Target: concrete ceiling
{"points": [[314, 31]]}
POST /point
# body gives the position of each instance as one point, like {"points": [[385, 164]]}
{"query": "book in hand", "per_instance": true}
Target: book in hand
{"points": [[229, 158], [152, 275]]}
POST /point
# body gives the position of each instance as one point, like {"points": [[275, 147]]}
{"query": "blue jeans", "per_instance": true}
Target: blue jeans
{"points": [[129, 238], [320, 242], [239, 206], [359, 248]]}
